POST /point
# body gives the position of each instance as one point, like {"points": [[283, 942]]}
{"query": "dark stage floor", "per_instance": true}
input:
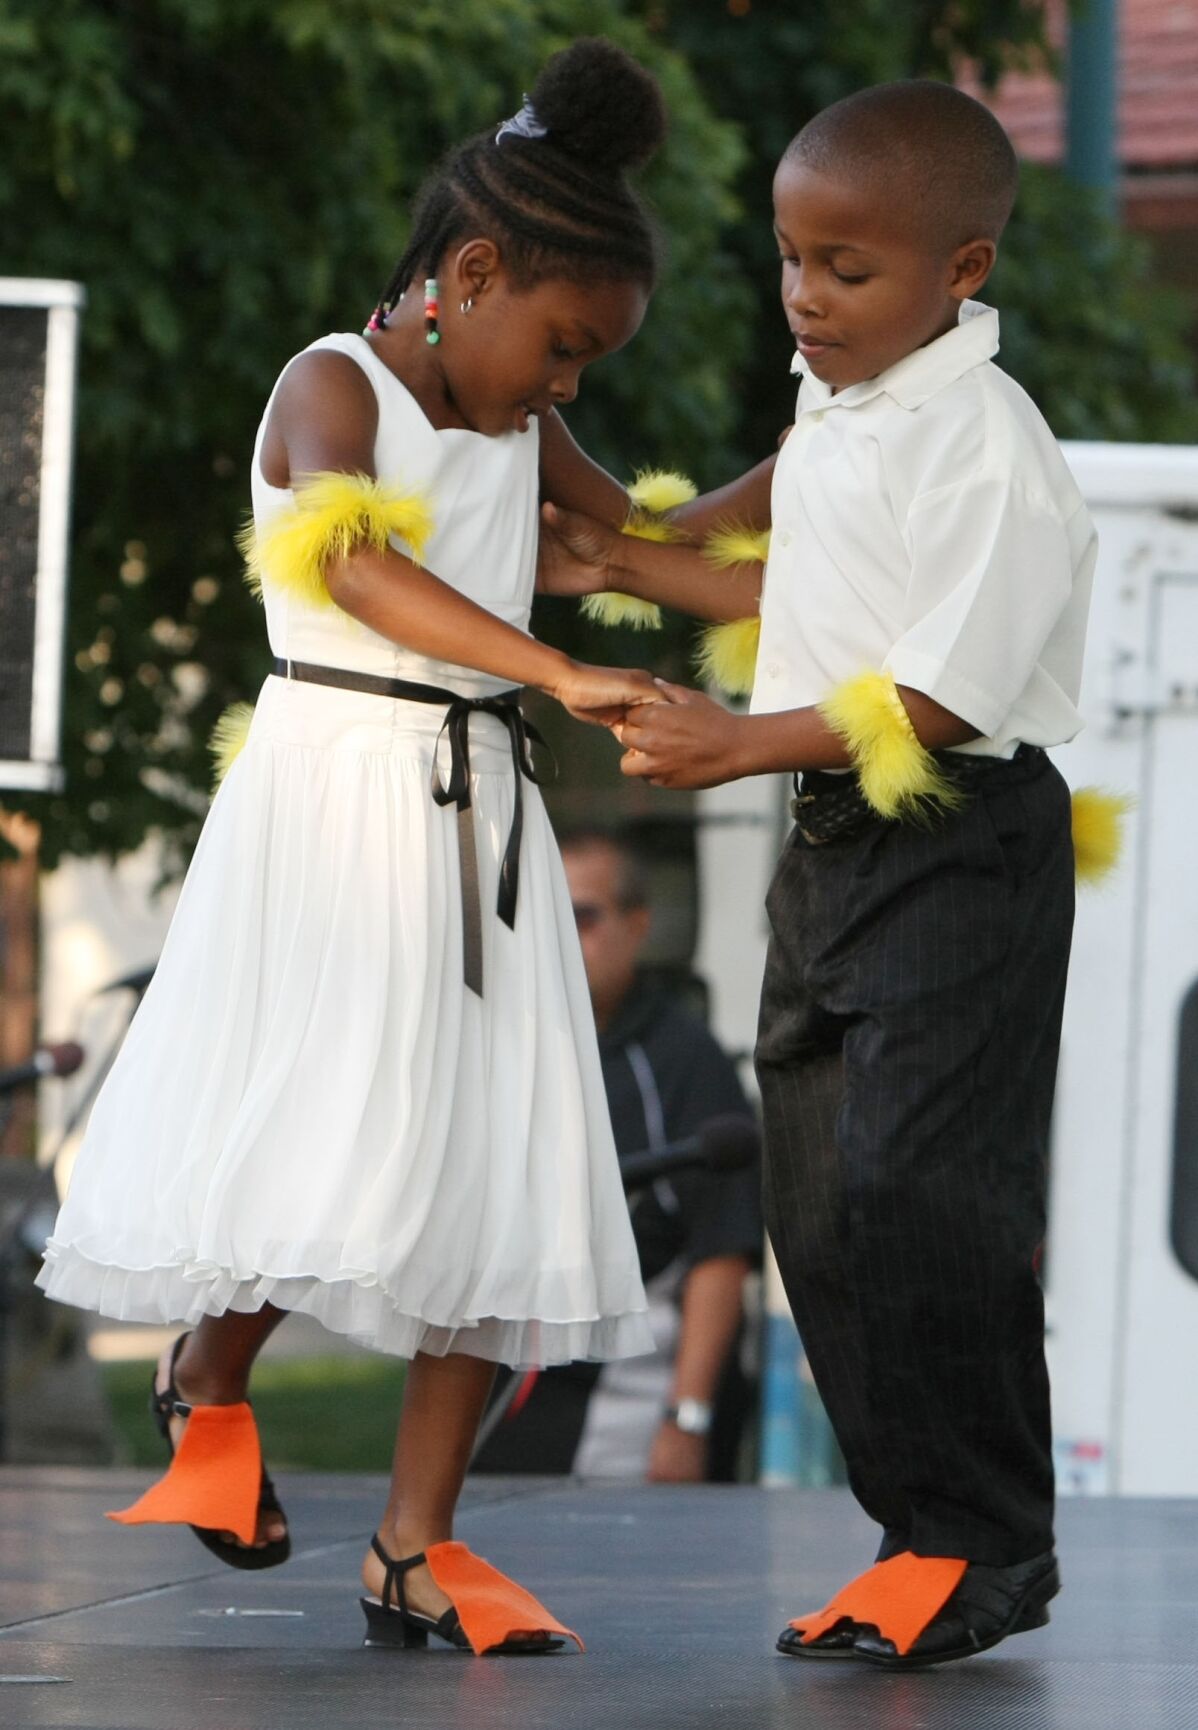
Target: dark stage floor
{"points": [[679, 1594]]}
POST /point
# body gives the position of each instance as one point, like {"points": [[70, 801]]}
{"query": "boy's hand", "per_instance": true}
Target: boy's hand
{"points": [[574, 556], [685, 741]]}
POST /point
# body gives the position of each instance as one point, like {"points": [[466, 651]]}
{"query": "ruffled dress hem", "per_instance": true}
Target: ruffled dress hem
{"points": [[359, 1308]]}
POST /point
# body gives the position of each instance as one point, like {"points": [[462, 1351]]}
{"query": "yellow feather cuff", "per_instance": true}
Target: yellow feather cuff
{"points": [[658, 490], [1098, 832], [652, 492], [617, 609], [736, 544], [898, 777], [227, 739], [727, 655], [332, 514]]}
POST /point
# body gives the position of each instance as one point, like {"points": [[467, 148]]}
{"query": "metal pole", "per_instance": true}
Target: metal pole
{"points": [[1091, 100]]}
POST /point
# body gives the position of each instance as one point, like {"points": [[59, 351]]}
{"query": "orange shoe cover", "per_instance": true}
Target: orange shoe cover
{"points": [[215, 1477], [899, 1598], [490, 1607]]}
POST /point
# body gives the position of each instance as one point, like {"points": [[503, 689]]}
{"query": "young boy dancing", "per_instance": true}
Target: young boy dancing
{"points": [[921, 641]]}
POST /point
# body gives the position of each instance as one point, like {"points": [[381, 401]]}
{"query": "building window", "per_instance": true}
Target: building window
{"points": [[1183, 1220]]}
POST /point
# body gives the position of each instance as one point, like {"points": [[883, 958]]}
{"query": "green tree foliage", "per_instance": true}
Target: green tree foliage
{"points": [[1096, 341], [1086, 330], [230, 179]]}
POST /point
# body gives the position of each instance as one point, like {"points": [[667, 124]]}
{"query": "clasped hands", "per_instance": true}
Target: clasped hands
{"points": [[683, 740], [672, 736]]}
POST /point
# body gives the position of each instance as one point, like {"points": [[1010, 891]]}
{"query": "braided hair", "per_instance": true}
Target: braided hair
{"points": [[551, 187]]}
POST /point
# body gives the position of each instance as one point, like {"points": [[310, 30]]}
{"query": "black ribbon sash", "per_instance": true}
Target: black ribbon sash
{"points": [[505, 706]]}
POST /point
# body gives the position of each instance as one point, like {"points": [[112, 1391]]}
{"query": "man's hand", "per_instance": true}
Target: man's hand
{"points": [[677, 1458], [685, 741]]}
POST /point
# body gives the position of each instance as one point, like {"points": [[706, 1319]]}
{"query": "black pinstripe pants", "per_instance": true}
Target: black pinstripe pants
{"points": [[907, 1053]]}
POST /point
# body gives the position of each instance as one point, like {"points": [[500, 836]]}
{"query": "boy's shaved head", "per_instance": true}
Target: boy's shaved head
{"points": [[927, 148]]}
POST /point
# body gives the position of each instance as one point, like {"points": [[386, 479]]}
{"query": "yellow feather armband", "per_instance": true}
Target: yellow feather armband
{"points": [[727, 653], [657, 491], [612, 608], [898, 777], [653, 492], [1098, 832], [227, 739], [332, 514], [736, 544]]}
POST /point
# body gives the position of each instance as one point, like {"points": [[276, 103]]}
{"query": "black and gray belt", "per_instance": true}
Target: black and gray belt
{"points": [[505, 706], [830, 807]]}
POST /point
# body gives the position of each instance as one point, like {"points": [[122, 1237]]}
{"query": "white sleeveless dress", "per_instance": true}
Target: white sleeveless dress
{"points": [[310, 1108]]}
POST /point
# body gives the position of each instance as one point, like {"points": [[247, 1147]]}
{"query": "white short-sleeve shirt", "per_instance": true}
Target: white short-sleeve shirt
{"points": [[925, 523]]}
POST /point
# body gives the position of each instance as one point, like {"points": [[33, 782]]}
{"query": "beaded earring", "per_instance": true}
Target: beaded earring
{"points": [[432, 310]]}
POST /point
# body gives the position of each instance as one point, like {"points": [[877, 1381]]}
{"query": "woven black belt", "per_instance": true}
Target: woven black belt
{"points": [[829, 807], [505, 706]]}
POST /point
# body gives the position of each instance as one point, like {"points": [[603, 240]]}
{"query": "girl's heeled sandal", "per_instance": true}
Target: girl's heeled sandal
{"points": [[488, 1613], [216, 1481]]}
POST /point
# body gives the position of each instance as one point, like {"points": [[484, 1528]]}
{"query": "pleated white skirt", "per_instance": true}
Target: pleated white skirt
{"points": [[311, 1110]]}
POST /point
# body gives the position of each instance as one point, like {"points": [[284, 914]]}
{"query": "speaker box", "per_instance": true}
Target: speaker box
{"points": [[38, 337]]}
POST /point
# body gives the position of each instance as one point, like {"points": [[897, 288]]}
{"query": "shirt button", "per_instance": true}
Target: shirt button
{"points": [[774, 670], [784, 537]]}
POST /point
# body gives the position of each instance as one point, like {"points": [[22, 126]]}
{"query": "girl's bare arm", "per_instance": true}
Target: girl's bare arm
{"points": [[325, 418]]}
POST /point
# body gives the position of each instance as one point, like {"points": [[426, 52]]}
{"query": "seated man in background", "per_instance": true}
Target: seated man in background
{"points": [[698, 1232]]}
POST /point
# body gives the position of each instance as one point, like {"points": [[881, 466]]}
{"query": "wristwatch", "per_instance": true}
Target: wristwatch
{"points": [[692, 1417]]}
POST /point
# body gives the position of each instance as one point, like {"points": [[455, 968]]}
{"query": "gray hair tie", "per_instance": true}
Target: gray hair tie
{"points": [[522, 125]]}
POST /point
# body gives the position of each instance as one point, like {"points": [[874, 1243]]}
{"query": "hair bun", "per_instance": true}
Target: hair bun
{"points": [[600, 105]]}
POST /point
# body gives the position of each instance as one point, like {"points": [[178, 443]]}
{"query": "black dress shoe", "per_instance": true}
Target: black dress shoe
{"points": [[989, 1604], [838, 1642]]}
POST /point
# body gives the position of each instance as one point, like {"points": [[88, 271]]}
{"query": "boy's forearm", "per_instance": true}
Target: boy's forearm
{"points": [[798, 739], [675, 574], [744, 501], [791, 740]]}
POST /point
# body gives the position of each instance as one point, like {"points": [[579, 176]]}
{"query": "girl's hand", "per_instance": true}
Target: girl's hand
{"points": [[684, 741], [603, 696], [575, 553]]}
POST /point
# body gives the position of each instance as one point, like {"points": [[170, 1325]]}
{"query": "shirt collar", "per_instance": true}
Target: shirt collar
{"points": [[920, 374]]}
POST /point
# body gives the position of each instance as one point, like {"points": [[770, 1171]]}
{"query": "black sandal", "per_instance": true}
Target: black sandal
{"points": [[166, 1404], [394, 1624]]}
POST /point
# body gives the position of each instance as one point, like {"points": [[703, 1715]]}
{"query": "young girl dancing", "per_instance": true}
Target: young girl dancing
{"points": [[364, 1082]]}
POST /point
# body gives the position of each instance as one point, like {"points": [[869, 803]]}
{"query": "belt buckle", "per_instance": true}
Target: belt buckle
{"points": [[797, 806]]}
